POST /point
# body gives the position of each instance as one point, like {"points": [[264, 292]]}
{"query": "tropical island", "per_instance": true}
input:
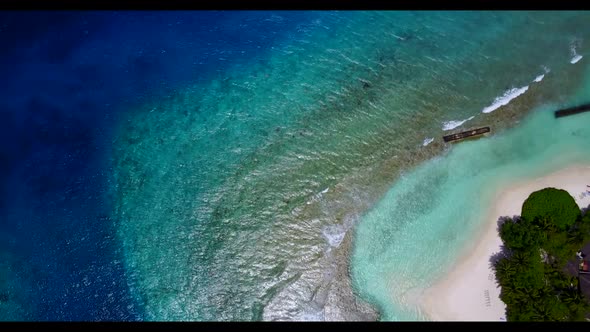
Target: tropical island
{"points": [[541, 266]]}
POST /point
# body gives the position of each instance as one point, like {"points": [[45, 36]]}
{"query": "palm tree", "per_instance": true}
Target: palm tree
{"points": [[542, 313], [572, 298], [545, 224], [520, 258], [505, 270], [575, 237], [508, 296], [575, 302], [521, 291], [532, 293]]}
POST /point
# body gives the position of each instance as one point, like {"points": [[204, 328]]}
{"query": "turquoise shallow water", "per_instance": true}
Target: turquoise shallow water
{"points": [[234, 195], [430, 214]]}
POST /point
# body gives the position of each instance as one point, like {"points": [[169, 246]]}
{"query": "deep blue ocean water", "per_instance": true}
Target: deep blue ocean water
{"points": [[67, 76]]}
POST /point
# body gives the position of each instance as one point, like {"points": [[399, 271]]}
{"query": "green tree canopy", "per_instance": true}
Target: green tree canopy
{"points": [[521, 235], [539, 244], [552, 203]]}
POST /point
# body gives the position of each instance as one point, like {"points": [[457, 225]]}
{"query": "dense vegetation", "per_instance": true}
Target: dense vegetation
{"points": [[537, 246]]}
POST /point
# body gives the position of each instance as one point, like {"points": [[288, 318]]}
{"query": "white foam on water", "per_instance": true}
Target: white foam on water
{"points": [[312, 315], [576, 58], [318, 196], [539, 78], [505, 99], [334, 234], [450, 125], [398, 37], [427, 141]]}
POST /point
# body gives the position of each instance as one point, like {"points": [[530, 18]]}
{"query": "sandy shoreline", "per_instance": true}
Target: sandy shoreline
{"points": [[468, 292]]}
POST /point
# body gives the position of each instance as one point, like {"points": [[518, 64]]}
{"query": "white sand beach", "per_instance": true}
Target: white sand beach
{"points": [[469, 292]]}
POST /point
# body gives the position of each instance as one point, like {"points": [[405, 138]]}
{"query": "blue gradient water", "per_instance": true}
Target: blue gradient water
{"points": [[67, 76], [211, 165]]}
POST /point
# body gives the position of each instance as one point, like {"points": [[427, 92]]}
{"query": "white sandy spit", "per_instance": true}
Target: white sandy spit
{"points": [[469, 291]]}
